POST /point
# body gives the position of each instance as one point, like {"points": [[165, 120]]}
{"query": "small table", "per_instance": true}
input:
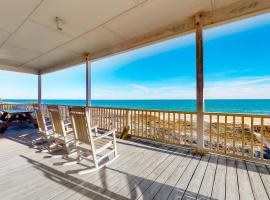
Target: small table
{"points": [[16, 117]]}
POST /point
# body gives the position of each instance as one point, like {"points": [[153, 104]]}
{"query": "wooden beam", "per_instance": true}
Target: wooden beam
{"points": [[234, 12], [20, 69], [199, 83], [62, 66]]}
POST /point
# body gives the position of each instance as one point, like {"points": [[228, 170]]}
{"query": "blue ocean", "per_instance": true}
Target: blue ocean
{"points": [[250, 106]]}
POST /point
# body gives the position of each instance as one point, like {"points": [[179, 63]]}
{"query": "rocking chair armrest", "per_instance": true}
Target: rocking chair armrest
{"points": [[67, 124], [111, 132], [69, 132], [94, 127]]}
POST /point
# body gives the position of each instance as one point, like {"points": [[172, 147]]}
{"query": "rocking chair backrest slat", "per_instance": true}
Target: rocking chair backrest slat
{"points": [[57, 122], [80, 124], [40, 120]]}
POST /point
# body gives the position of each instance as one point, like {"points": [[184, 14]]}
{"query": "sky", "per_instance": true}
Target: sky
{"points": [[236, 66]]}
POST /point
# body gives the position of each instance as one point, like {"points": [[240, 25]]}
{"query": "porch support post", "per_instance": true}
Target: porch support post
{"points": [[39, 90], [199, 83], [88, 82]]}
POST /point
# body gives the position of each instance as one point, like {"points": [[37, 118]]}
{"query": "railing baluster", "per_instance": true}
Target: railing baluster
{"points": [[174, 132], [163, 136], [210, 132], [243, 136], [262, 137], [146, 124], [218, 133], [117, 119], [179, 128], [234, 135], [131, 122], [225, 135], [142, 123], [137, 123], [159, 126], [251, 134], [191, 129], [122, 120], [110, 117], [185, 128], [103, 117], [155, 125], [169, 135]]}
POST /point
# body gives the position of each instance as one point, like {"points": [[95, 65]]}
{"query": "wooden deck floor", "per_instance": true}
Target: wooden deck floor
{"points": [[143, 171]]}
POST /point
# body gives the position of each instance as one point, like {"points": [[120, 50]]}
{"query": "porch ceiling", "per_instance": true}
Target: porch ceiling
{"points": [[30, 41]]}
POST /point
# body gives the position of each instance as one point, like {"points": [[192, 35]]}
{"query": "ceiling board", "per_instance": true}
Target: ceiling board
{"points": [[80, 16], [93, 41], [35, 37], [222, 3], [14, 12], [18, 55], [52, 59], [3, 36]]}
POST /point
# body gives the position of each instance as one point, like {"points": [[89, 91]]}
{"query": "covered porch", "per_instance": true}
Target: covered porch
{"points": [[39, 38]]}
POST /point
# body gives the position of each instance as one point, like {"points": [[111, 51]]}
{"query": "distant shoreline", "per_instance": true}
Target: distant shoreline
{"points": [[243, 106]]}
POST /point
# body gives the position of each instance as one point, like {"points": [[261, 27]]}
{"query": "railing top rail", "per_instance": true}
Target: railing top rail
{"points": [[148, 110], [163, 111], [238, 114]]}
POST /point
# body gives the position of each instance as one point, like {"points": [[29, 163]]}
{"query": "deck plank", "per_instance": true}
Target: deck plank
{"points": [[256, 182], [133, 184], [166, 188], [220, 180], [208, 180], [195, 183], [152, 190], [182, 184], [146, 182], [245, 191], [264, 173], [232, 191]]}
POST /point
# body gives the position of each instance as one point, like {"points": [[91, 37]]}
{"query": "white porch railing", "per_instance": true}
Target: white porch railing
{"points": [[239, 135]]}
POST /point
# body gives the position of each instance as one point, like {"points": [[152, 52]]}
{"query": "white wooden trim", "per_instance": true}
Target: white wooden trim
{"points": [[11, 68], [72, 63]]}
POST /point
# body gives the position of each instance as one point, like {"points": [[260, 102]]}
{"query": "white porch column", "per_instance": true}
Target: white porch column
{"points": [[200, 83], [88, 82], [39, 90]]}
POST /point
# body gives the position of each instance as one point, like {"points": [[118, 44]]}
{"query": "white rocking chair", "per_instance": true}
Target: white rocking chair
{"points": [[62, 136], [89, 145], [45, 135]]}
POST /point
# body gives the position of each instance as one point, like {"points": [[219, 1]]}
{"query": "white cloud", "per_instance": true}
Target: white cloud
{"points": [[238, 88]]}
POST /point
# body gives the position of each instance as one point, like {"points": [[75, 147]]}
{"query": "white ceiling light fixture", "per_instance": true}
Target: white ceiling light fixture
{"points": [[59, 23]]}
